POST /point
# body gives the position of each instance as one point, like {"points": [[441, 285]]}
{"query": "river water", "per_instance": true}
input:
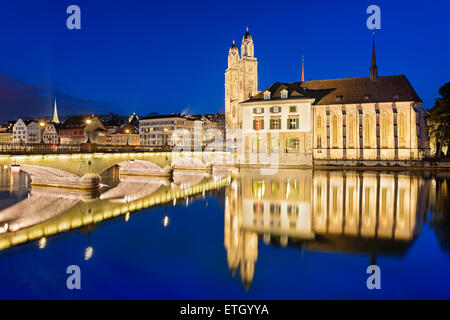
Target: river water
{"points": [[290, 234]]}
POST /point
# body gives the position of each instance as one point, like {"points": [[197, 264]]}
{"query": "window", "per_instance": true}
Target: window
{"points": [[284, 94], [384, 129], [292, 123], [292, 145], [351, 131], [275, 124], [258, 110], [367, 130], [275, 109], [334, 130], [319, 131], [258, 124], [267, 95], [402, 129], [292, 109]]}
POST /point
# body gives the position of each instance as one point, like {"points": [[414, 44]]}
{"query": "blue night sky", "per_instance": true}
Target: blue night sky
{"points": [[170, 56]]}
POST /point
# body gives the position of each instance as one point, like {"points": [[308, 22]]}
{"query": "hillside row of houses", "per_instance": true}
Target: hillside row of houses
{"points": [[152, 131]]}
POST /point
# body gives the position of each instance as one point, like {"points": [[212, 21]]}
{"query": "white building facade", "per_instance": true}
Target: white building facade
{"points": [[167, 131], [277, 128], [26, 132]]}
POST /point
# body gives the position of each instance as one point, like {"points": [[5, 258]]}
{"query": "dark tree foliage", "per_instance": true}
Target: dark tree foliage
{"points": [[438, 118]]}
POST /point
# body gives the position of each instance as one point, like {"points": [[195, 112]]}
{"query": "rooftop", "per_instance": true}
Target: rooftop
{"points": [[344, 91]]}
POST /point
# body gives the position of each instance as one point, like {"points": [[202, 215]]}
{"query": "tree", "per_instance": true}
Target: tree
{"points": [[438, 119]]}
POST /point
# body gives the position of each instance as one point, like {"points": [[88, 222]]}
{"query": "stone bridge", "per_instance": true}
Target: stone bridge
{"points": [[83, 170]]}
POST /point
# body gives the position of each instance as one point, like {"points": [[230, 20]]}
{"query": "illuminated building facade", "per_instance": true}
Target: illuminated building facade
{"points": [[241, 80], [368, 120]]}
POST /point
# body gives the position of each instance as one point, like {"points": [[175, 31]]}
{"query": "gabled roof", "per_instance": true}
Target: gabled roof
{"points": [[345, 91], [162, 116], [77, 122]]}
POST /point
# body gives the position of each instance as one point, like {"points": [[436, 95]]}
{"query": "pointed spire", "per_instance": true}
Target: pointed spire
{"points": [[55, 114], [303, 68], [246, 29], [373, 67]]}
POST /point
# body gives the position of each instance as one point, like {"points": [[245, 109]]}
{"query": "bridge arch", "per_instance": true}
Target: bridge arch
{"points": [[190, 164], [143, 167], [48, 176]]}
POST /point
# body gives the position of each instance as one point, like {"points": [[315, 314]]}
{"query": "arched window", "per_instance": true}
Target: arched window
{"points": [[367, 130], [402, 129], [351, 131], [319, 131], [384, 129], [334, 131]]}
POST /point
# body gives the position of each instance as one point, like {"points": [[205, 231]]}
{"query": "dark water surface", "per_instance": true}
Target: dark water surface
{"points": [[291, 235]]}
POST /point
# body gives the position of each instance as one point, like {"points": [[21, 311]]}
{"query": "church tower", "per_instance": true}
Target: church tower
{"points": [[55, 114], [241, 79]]}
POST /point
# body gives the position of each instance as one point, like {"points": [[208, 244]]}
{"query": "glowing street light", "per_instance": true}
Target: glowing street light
{"points": [[88, 122], [166, 221], [42, 243], [88, 253]]}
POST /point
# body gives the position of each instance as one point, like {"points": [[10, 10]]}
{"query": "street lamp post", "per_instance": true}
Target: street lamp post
{"points": [[88, 122], [127, 132], [42, 125], [165, 138]]}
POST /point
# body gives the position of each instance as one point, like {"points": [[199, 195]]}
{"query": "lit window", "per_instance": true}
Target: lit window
{"points": [[334, 130], [275, 124], [258, 124], [293, 123]]}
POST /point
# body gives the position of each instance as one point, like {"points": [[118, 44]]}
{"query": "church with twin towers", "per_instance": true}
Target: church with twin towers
{"points": [[241, 79], [369, 120]]}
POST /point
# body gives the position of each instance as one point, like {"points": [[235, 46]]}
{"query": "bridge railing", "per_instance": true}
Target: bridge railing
{"points": [[42, 148]]}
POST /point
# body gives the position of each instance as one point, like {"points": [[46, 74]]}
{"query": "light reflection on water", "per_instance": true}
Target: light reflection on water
{"points": [[316, 218]]}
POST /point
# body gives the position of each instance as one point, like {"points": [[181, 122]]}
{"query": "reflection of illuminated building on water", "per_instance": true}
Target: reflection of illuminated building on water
{"points": [[91, 211], [362, 212], [241, 245]]}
